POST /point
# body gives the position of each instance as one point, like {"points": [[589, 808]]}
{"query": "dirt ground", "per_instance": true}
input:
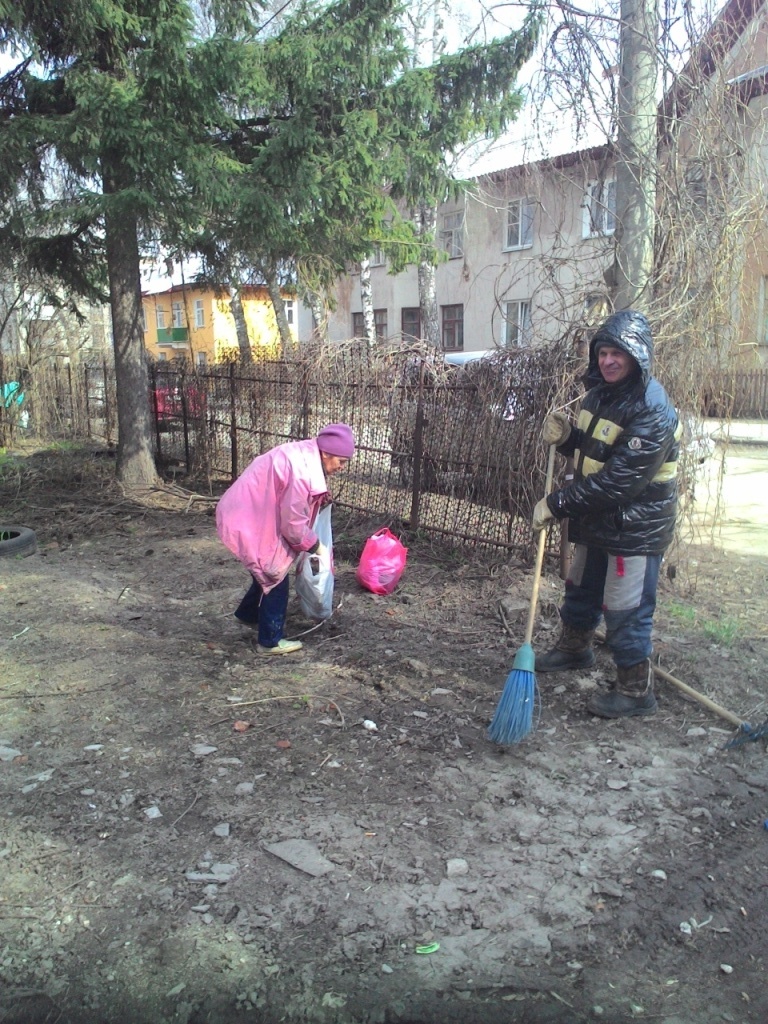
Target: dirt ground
{"points": [[597, 871]]}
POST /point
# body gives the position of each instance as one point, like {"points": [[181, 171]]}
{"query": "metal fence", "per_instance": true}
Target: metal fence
{"points": [[449, 451], [452, 452]]}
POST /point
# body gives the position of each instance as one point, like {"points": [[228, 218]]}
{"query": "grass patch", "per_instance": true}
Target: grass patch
{"points": [[724, 631]]}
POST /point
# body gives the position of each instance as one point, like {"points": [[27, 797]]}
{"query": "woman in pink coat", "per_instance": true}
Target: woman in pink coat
{"points": [[266, 517]]}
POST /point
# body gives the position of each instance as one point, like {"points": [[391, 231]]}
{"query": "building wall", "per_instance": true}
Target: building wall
{"points": [[555, 272], [216, 338]]}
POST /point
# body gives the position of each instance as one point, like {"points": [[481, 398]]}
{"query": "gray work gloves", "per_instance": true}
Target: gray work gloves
{"points": [[556, 429], [541, 515]]}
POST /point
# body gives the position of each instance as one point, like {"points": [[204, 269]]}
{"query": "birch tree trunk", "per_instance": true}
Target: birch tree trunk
{"points": [[284, 330], [241, 327], [366, 298], [319, 315], [426, 220]]}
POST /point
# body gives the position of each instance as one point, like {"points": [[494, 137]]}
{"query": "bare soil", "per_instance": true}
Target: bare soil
{"points": [[555, 874]]}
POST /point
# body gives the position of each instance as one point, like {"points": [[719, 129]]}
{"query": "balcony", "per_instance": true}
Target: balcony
{"points": [[172, 336]]}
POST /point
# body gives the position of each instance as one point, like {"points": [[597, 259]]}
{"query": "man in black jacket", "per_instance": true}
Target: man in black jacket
{"points": [[621, 508]]}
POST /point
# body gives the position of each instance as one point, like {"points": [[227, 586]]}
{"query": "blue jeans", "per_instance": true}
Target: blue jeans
{"points": [[269, 610], [620, 588]]}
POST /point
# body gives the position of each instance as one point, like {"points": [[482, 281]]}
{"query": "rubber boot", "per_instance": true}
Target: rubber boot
{"points": [[573, 649], [631, 695]]}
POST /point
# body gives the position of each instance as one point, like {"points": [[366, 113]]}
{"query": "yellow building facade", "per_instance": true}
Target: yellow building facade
{"points": [[196, 323]]}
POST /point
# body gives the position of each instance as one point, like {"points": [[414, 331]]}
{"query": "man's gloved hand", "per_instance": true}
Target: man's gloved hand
{"points": [[541, 515], [556, 429]]}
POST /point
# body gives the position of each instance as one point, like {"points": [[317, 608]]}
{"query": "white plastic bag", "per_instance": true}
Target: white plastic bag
{"points": [[314, 573]]}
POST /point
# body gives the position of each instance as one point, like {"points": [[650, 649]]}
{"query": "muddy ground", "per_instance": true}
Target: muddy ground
{"points": [[597, 871]]}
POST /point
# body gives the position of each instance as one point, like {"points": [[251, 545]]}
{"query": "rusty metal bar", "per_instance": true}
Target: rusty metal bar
{"points": [[418, 451]]}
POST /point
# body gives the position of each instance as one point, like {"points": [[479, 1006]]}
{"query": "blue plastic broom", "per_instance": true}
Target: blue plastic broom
{"points": [[513, 719]]}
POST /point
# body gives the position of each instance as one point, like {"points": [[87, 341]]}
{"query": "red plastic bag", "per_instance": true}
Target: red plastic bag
{"points": [[382, 562]]}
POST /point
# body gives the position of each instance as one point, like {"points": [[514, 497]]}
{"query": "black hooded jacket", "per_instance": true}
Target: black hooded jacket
{"points": [[625, 448]]}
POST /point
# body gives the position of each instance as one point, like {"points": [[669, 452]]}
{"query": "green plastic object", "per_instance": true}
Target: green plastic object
{"points": [[431, 948]]}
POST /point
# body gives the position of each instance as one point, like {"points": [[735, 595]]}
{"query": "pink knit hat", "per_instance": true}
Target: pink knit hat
{"points": [[336, 439]]}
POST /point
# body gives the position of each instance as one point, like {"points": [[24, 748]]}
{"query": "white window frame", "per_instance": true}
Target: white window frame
{"points": [[517, 323], [144, 324], [452, 234], [177, 314], [199, 313], [288, 306], [599, 209], [201, 359], [377, 258], [519, 228], [160, 318]]}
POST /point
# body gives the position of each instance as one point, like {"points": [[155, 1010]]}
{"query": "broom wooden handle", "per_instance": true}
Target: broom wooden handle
{"points": [[540, 552], [727, 715]]}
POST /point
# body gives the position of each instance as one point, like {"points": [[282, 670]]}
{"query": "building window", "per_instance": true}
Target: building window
{"points": [[162, 357], [199, 313], [177, 314], [600, 208], [519, 224], [452, 235], [288, 307], [201, 360], [160, 317], [517, 317], [144, 325], [380, 322], [410, 323], [453, 328], [377, 258]]}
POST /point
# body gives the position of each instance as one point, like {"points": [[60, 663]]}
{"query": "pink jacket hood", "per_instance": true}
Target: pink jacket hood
{"points": [[265, 518]]}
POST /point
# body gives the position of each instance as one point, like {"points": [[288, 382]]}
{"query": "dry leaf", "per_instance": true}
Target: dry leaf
{"points": [[241, 726]]}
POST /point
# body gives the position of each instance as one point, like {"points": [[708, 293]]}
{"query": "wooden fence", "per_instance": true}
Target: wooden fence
{"points": [[739, 395]]}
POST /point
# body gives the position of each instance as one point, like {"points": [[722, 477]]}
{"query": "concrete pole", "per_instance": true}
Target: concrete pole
{"points": [[636, 164]]}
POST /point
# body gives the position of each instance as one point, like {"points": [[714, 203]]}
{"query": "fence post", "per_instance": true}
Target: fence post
{"points": [[418, 450], [233, 419], [107, 407], [155, 410], [185, 417], [87, 383]]}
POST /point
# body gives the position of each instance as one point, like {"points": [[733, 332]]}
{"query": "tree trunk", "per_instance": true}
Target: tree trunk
{"points": [[319, 316], [636, 166], [273, 287], [366, 298], [241, 327], [430, 322], [135, 458]]}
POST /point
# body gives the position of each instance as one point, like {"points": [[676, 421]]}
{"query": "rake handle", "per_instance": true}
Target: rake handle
{"points": [[727, 715], [539, 552]]}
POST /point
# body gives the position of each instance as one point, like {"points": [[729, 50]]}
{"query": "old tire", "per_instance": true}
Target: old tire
{"points": [[17, 541]]}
